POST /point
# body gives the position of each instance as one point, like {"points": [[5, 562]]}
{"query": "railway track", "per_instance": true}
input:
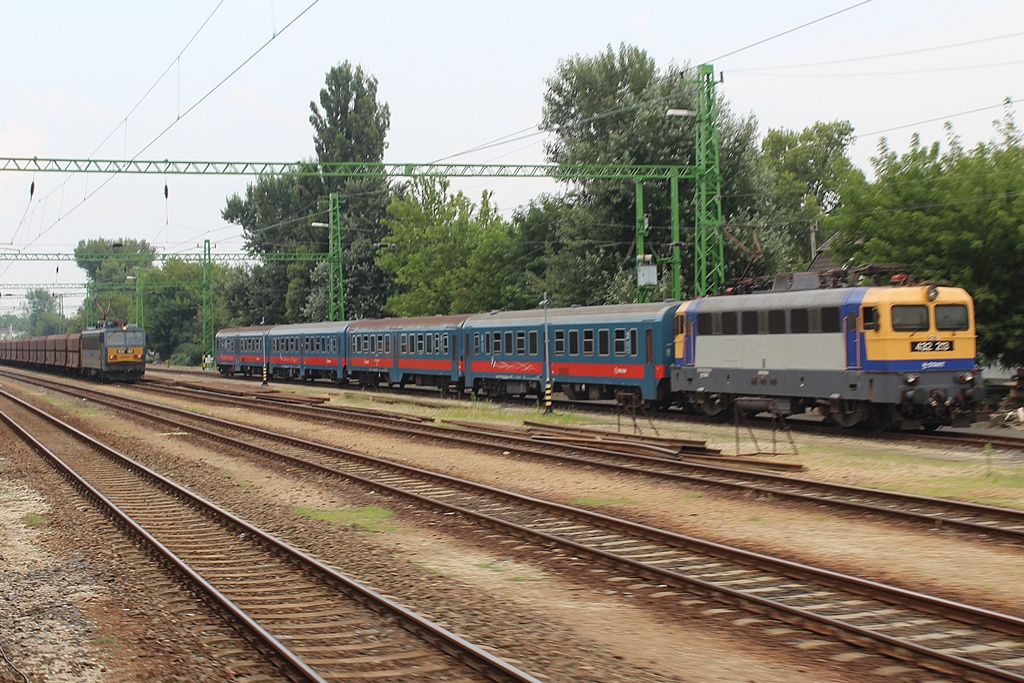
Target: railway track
{"points": [[691, 464], [945, 437], [314, 622], [959, 640]]}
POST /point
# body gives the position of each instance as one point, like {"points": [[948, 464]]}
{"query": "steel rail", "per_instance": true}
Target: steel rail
{"points": [[900, 648], [455, 646]]}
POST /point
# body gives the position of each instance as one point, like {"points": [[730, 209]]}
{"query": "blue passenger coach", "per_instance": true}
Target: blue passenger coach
{"points": [[594, 351]]}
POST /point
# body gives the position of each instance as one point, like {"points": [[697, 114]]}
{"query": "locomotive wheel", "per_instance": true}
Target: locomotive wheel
{"points": [[709, 406]]}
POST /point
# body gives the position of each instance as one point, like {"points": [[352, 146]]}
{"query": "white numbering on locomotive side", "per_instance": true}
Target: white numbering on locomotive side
{"points": [[931, 346]]}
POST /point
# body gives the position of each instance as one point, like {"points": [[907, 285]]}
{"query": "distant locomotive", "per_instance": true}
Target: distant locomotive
{"points": [[113, 351], [893, 356]]}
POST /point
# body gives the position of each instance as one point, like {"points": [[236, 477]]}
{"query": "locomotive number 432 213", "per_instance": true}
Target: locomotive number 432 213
{"points": [[931, 346]]}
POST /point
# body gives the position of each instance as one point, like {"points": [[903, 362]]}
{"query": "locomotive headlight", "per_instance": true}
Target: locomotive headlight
{"points": [[912, 379], [965, 377], [932, 292]]}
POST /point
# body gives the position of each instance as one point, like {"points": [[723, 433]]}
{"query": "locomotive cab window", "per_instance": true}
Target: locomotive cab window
{"points": [[869, 314], [776, 321], [910, 318], [951, 318]]}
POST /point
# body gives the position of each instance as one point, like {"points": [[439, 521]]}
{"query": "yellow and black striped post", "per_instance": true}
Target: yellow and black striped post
{"points": [[264, 374], [547, 396]]}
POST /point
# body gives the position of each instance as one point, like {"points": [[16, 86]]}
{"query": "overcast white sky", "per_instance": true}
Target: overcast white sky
{"points": [[455, 74]]}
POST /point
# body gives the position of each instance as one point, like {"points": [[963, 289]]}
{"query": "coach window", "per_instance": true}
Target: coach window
{"points": [[830, 319], [776, 321], [729, 325], [620, 341], [430, 343], [508, 343], [419, 342], [444, 343], [603, 345], [533, 342], [521, 343], [910, 318], [387, 344], [633, 350], [704, 324], [749, 320], [952, 318], [559, 342], [574, 342], [437, 342], [588, 342], [497, 343]]}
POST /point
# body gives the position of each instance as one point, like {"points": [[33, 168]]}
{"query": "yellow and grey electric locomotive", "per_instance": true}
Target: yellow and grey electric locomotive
{"points": [[900, 356]]}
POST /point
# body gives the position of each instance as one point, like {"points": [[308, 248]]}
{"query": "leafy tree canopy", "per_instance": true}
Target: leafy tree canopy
{"points": [[278, 214], [956, 216], [611, 109], [804, 173], [446, 253]]}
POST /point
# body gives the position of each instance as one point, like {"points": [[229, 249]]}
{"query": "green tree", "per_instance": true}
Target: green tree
{"points": [[611, 109], [277, 215], [956, 216], [351, 124], [803, 174], [446, 253], [173, 300], [43, 318], [111, 266]]}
